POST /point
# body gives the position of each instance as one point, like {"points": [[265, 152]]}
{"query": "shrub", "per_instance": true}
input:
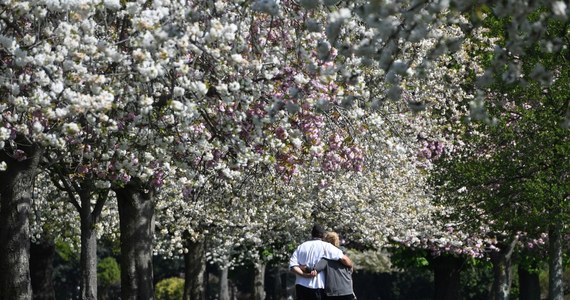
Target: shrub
{"points": [[108, 272], [170, 289], [108, 278]]}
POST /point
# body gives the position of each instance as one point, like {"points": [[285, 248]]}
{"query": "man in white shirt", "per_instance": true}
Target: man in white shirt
{"points": [[310, 286]]}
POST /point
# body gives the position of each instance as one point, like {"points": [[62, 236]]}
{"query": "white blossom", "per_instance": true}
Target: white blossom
{"points": [[559, 8], [112, 4]]}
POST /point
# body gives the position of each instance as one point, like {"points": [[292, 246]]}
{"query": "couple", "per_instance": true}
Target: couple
{"points": [[323, 270]]}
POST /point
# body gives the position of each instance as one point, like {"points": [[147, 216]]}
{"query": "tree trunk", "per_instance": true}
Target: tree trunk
{"points": [[447, 270], [194, 270], [502, 271], [224, 286], [15, 198], [136, 216], [208, 288], [41, 270], [555, 282], [88, 215], [88, 259], [529, 284], [259, 281], [282, 288]]}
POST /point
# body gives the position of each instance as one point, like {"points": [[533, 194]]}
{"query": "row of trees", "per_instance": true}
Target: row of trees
{"points": [[221, 130]]}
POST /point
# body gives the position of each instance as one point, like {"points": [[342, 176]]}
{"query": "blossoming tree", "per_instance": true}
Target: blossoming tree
{"points": [[134, 94]]}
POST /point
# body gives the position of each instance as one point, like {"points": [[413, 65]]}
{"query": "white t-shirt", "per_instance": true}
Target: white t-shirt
{"points": [[309, 253]]}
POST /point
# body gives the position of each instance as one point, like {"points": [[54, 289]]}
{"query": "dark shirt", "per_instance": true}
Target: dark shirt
{"points": [[338, 277]]}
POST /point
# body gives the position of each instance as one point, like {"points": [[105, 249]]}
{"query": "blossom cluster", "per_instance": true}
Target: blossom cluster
{"points": [[245, 116]]}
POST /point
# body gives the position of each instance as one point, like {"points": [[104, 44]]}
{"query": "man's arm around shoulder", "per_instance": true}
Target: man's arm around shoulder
{"points": [[345, 260]]}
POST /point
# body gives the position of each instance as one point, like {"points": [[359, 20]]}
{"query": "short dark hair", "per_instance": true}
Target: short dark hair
{"points": [[318, 231]]}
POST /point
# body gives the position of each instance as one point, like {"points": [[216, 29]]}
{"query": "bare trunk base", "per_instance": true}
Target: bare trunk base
{"points": [[136, 215], [447, 270], [502, 270], [41, 270], [88, 260], [194, 271], [224, 284], [259, 282], [15, 202], [529, 285], [555, 286]]}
